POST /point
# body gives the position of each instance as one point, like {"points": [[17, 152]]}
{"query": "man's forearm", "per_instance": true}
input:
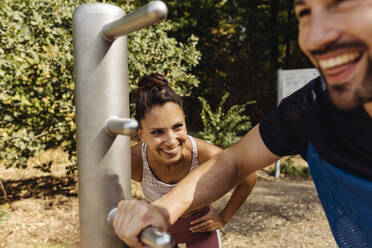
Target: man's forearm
{"points": [[203, 186], [217, 176]]}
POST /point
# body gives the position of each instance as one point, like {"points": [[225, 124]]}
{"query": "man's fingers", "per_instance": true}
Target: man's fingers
{"points": [[134, 216], [121, 225]]}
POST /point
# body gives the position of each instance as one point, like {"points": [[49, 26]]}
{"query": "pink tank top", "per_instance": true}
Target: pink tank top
{"points": [[152, 188]]}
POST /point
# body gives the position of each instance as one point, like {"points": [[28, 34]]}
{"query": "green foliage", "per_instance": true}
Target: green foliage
{"points": [[150, 50], [36, 71], [288, 168], [36, 90], [243, 43], [223, 128]]}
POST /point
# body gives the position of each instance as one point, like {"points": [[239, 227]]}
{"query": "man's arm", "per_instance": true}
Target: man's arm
{"points": [[203, 186], [217, 176]]}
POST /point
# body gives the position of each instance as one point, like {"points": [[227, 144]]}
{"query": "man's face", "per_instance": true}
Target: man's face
{"points": [[337, 37]]}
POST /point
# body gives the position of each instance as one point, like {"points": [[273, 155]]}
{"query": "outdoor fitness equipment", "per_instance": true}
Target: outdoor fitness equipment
{"points": [[102, 112]]}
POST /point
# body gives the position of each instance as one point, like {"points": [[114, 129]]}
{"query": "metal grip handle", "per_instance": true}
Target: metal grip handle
{"points": [[150, 236]]}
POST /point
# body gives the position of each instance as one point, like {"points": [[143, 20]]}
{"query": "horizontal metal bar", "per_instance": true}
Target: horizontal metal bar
{"points": [[151, 13], [123, 126]]}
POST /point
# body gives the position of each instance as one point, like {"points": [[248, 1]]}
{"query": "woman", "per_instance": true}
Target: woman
{"points": [[167, 154]]}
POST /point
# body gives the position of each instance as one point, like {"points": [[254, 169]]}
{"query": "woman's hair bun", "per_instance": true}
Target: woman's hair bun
{"points": [[153, 90], [152, 80]]}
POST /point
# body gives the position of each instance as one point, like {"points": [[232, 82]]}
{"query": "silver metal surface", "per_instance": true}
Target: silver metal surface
{"points": [[150, 236], [122, 126], [155, 238], [101, 91], [153, 12]]}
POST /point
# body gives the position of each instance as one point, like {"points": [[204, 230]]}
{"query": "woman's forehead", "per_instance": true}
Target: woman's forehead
{"points": [[163, 115]]}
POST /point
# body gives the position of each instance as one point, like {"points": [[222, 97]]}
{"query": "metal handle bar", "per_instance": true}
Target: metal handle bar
{"points": [[150, 236], [153, 12]]}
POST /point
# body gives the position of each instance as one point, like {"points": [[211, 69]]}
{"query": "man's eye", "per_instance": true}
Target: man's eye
{"points": [[303, 12]]}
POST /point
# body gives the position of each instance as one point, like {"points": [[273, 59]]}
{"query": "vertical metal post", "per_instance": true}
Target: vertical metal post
{"points": [[279, 92], [101, 91], [102, 112]]}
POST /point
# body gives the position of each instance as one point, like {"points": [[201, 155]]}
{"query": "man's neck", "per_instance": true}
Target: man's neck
{"points": [[368, 108]]}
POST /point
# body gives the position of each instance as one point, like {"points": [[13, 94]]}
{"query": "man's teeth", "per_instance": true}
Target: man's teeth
{"points": [[338, 60], [173, 151]]}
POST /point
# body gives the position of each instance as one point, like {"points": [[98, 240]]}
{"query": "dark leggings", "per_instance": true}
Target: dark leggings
{"points": [[181, 233]]}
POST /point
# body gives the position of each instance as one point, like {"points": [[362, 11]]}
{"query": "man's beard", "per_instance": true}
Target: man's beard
{"points": [[361, 95]]}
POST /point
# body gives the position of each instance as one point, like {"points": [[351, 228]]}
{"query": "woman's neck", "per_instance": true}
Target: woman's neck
{"points": [[171, 172]]}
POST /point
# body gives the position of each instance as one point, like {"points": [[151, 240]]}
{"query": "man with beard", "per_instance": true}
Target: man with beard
{"points": [[328, 122]]}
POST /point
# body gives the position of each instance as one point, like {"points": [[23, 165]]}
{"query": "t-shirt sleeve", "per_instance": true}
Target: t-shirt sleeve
{"points": [[283, 131]]}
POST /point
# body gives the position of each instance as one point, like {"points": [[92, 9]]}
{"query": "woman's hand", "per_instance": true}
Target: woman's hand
{"points": [[208, 223]]}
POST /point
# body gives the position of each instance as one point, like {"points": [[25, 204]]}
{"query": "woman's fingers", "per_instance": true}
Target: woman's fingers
{"points": [[199, 220], [204, 226]]}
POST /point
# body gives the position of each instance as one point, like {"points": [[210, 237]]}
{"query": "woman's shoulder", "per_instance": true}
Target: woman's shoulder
{"points": [[206, 149]]}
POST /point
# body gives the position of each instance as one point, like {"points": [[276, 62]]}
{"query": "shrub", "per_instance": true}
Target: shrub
{"points": [[223, 128], [287, 167], [36, 68]]}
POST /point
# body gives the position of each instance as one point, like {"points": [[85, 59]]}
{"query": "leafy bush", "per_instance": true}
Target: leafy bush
{"points": [[36, 70], [223, 128], [288, 168]]}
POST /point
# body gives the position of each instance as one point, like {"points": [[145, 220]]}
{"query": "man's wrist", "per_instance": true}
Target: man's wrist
{"points": [[163, 212]]}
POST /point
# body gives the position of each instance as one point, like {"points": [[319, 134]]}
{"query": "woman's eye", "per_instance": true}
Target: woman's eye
{"points": [[177, 126], [156, 132]]}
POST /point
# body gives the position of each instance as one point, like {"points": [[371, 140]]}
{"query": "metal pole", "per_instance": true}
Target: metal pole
{"points": [[279, 92], [101, 97], [101, 91]]}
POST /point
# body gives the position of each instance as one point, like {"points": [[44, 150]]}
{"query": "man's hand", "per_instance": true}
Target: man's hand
{"points": [[208, 223], [132, 217]]}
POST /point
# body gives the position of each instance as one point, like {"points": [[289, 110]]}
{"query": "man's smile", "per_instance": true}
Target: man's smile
{"points": [[340, 67], [339, 60]]}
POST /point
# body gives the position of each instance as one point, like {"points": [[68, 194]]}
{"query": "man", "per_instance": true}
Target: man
{"points": [[328, 122]]}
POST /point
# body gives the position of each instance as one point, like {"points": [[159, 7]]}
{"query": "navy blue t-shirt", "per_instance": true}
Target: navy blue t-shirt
{"points": [[342, 138]]}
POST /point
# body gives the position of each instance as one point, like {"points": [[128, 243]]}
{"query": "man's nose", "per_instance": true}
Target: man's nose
{"points": [[320, 32]]}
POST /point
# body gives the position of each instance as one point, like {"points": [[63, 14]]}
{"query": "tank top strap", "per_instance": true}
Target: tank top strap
{"points": [[194, 161], [146, 169]]}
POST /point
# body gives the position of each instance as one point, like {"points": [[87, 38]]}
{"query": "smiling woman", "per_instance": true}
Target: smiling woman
{"points": [[167, 154]]}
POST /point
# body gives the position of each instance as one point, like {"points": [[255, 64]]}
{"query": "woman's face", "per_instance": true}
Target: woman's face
{"points": [[163, 128]]}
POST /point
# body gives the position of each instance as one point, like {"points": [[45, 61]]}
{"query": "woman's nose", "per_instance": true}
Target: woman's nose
{"points": [[171, 138]]}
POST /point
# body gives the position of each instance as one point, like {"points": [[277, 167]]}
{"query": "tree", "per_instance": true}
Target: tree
{"points": [[36, 90], [243, 44]]}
